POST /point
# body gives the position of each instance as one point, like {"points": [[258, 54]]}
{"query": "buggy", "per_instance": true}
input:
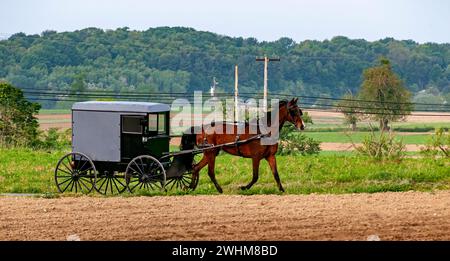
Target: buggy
{"points": [[119, 146]]}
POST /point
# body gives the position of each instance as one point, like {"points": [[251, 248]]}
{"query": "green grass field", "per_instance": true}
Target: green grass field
{"points": [[54, 111], [31, 171], [396, 126], [357, 137]]}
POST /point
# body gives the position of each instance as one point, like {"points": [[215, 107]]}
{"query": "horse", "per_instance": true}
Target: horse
{"points": [[288, 112]]}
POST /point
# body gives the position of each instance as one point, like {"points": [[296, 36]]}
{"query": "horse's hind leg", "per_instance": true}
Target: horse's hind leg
{"points": [[273, 165], [211, 158], [255, 162]]}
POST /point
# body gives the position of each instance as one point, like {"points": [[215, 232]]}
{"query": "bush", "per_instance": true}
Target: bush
{"points": [[439, 144], [381, 147], [53, 139], [295, 143]]}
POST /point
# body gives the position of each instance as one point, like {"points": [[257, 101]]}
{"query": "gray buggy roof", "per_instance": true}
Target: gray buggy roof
{"points": [[121, 106]]}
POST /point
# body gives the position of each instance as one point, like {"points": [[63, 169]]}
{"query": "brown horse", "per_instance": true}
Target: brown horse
{"points": [[288, 112]]}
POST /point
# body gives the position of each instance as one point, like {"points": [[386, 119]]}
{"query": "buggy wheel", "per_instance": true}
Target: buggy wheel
{"points": [[146, 173], [109, 183], [75, 172], [187, 181]]}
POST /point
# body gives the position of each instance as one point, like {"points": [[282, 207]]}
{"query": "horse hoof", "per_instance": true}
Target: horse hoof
{"points": [[244, 188], [282, 189]]}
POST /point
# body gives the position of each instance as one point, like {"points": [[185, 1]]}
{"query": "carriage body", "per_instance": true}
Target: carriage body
{"points": [[111, 134]]}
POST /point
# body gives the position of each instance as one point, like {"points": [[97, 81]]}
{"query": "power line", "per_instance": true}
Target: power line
{"points": [[312, 108], [171, 96], [134, 94]]}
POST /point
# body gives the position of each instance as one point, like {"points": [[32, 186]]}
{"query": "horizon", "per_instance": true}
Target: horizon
{"points": [[265, 20], [6, 37]]}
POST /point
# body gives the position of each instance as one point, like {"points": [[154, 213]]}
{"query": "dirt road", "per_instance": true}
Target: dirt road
{"points": [[390, 216]]}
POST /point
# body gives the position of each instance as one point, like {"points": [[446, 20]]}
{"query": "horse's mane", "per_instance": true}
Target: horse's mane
{"points": [[269, 113]]}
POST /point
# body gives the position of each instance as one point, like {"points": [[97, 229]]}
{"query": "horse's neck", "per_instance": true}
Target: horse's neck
{"points": [[282, 117]]}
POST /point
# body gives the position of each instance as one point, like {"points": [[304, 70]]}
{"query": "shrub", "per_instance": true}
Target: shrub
{"points": [[295, 143], [381, 147], [438, 145], [53, 139]]}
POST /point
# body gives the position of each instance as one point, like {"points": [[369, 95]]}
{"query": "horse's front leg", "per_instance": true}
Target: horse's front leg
{"points": [[196, 171], [255, 162], [273, 165]]}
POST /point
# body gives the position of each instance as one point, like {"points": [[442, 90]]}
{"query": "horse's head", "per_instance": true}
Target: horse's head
{"points": [[294, 115]]}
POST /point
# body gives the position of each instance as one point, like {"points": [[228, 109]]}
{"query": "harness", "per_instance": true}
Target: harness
{"points": [[236, 142]]}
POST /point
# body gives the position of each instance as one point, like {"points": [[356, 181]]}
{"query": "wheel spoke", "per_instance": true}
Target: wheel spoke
{"points": [[151, 185], [104, 180], [173, 183], [82, 183], [70, 173], [134, 171], [59, 184], [64, 176], [142, 164], [119, 182], [115, 184], [66, 166], [135, 186], [68, 185], [83, 165], [106, 187], [86, 170], [71, 188], [141, 172]]}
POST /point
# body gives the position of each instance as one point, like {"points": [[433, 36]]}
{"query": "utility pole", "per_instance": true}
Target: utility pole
{"points": [[213, 88], [266, 61], [236, 93]]}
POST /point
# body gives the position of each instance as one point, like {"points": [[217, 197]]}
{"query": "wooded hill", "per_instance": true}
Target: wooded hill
{"points": [[182, 60]]}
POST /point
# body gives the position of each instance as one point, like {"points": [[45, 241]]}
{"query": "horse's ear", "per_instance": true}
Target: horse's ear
{"points": [[295, 100]]}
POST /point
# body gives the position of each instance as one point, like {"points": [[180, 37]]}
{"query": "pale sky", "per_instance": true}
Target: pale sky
{"points": [[422, 21]]}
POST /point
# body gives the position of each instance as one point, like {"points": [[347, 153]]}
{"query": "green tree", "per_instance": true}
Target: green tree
{"points": [[350, 108], [392, 99], [78, 86], [18, 126]]}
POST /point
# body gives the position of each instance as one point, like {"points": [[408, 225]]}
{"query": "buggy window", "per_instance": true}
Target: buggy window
{"points": [[132, 124], [153, 122], [157, 123], [161, 123]]}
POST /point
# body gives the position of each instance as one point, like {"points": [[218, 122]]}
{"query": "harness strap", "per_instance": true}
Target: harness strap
{"points": [[237, 145]]}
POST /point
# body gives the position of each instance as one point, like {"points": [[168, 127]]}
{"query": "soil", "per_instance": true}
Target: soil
{"points": [[389, 216]]}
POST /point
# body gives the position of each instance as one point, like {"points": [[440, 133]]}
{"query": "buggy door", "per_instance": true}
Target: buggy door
{"points": [[157, 134], [132, 130]]}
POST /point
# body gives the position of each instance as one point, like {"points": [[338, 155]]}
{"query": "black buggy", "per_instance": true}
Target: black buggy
{"points": [[119, 146]]}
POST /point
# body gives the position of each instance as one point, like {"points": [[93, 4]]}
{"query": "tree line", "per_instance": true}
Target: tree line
{"points": [[182, 59]]}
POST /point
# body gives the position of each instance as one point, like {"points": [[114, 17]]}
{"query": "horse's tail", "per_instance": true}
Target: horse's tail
{"points": [[188, 142]]}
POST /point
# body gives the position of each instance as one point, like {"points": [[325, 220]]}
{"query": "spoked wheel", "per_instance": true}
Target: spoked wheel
{"points": [[109, 183], [186, 181], [75, 172], [145, 172]]}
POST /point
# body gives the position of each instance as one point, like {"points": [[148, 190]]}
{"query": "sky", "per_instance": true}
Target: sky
{"points": [[266, 20]]}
